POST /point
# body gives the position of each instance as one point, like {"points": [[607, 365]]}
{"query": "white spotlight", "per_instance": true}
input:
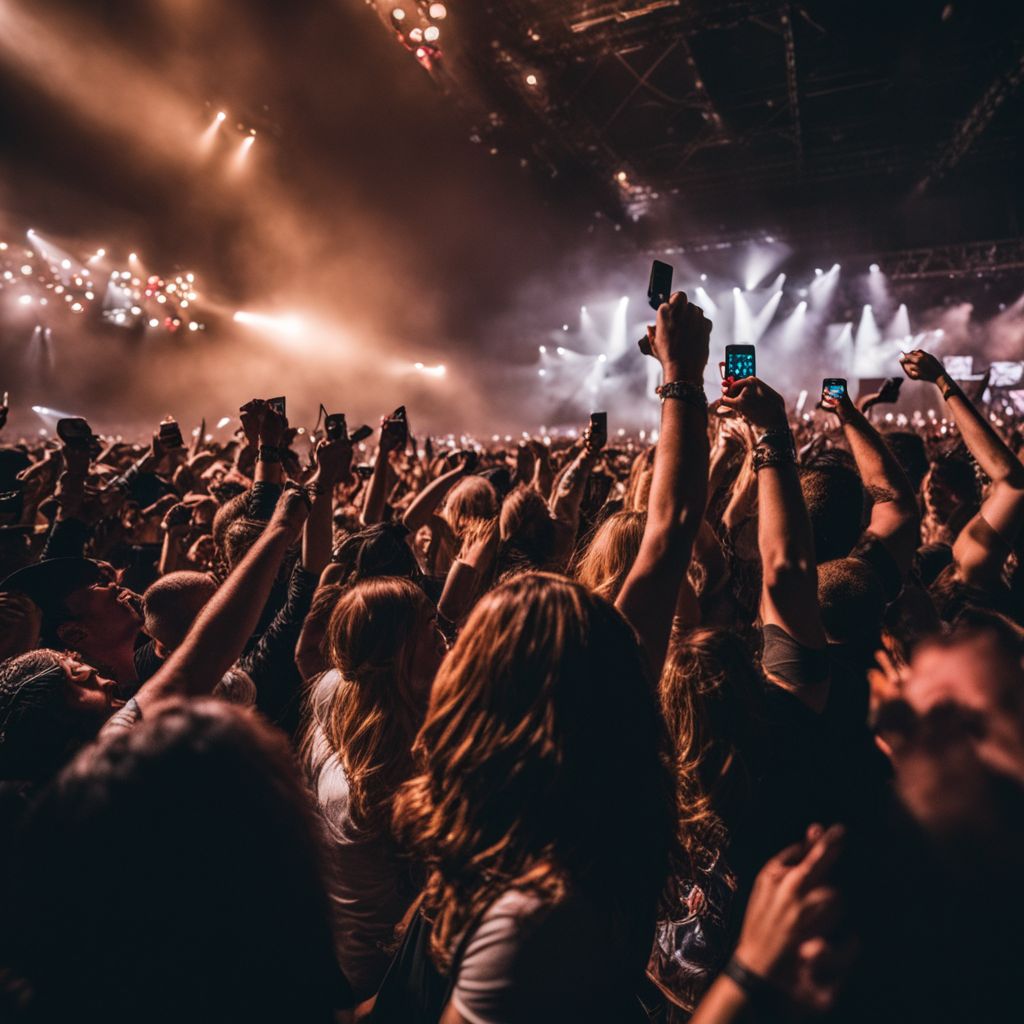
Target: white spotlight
{"points": [[431, 34], [543, 350], [874, 268], [438, 11]]}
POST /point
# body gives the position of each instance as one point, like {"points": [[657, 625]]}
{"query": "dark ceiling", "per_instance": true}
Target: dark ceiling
{"points": [[892, 124]]}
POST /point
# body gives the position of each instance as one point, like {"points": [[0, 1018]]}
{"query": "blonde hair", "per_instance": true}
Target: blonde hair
{"points": [[605, 562], [471, 500], [372, 718]]}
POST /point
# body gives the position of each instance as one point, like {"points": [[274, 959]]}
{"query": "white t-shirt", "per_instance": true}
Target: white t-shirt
{"points": [[528, 962]]}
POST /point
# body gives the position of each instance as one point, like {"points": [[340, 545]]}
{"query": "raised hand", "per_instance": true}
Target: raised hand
{"points": [[762, 407], [792, 913], [679, 339], [333, 461], [292, 510], [841, 407], [921, 365]]}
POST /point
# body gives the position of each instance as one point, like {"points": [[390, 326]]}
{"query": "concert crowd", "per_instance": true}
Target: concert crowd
{"points": [[729, 727]]}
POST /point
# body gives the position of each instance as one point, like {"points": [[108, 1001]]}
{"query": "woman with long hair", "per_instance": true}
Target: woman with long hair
{"points": [[543, 813], [384, 647], [605, 562]]}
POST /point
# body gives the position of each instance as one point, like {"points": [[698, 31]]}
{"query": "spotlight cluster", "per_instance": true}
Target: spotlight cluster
{"points": [[49, 282], [417, 26]]}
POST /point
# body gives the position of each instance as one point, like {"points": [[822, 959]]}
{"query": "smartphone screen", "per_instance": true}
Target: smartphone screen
{"points": [[599, 426], [834, 387], [739, 361]]}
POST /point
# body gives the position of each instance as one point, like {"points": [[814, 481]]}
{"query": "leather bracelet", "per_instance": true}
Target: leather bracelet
{"points": [[947, 386], [773, 453], [762, 993], [268, 453], [692, 394]]}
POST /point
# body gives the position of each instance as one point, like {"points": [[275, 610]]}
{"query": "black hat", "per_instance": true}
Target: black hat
{"points": [[50, 583]]}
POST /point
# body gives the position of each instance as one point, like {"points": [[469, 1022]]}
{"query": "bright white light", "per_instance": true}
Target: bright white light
{"points": [[543, 349], [221, 116], [398, 14], [560, 350], [818, 271], [26, 269], [602, 358], [223, 422], [542, 373], [154, 322], [290, 325], [66, 264], [193, 326], [431, 33], [874, 268], [438, 12], [531, 79], [243, 152], [25, 300], [416, 35], [431, 371], [132, 257], [703, 277], [76, 307], [735, 290]]}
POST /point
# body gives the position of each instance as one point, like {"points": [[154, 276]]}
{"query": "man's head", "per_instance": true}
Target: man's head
{"points": [[852, 601], [171, 604], [958, 740], [834, 496], [83, 606], [50, 705]]}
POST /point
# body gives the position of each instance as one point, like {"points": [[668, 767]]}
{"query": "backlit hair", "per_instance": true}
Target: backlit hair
{"points": [[544, 765], [374, 714], [605, 562]]}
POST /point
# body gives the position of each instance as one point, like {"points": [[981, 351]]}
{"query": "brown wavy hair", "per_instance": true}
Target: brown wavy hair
{"points": [[373, 716], [711, 699], [605, 562], [544, 764]]}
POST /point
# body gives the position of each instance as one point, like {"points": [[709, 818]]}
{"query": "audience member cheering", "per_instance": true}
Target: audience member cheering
{"points": [[712, 730]]}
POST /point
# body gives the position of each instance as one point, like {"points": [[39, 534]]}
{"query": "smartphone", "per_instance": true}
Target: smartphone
{"points": [[833, 387], [75, 432], [170, 434], [739, 361], [277, 404], [660, 287], [363, 472], [360, 434], [335, 427], [599, 428], [889, 392], [398, 416]]}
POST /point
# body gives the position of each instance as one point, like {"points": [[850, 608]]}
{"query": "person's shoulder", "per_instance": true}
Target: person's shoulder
{"points": [[122, 719]]}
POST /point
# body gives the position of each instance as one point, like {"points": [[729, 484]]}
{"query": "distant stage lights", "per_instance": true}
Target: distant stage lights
{"points": [[543, 350], [437, 12], [703, 277], [416, 35], [874, 268], [221, 117], [531, 79], [398, 14], [431, 34]]}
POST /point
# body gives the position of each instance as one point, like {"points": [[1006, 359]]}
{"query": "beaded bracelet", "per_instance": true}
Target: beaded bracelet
{"points": [[692, 394]]}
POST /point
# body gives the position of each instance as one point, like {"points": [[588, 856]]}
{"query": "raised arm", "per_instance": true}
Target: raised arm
{"points": [[333, 466], [986, 541], [789, 588], [424, 505], [221, 630], [391, 439], [895, 520], [678, 493]]}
